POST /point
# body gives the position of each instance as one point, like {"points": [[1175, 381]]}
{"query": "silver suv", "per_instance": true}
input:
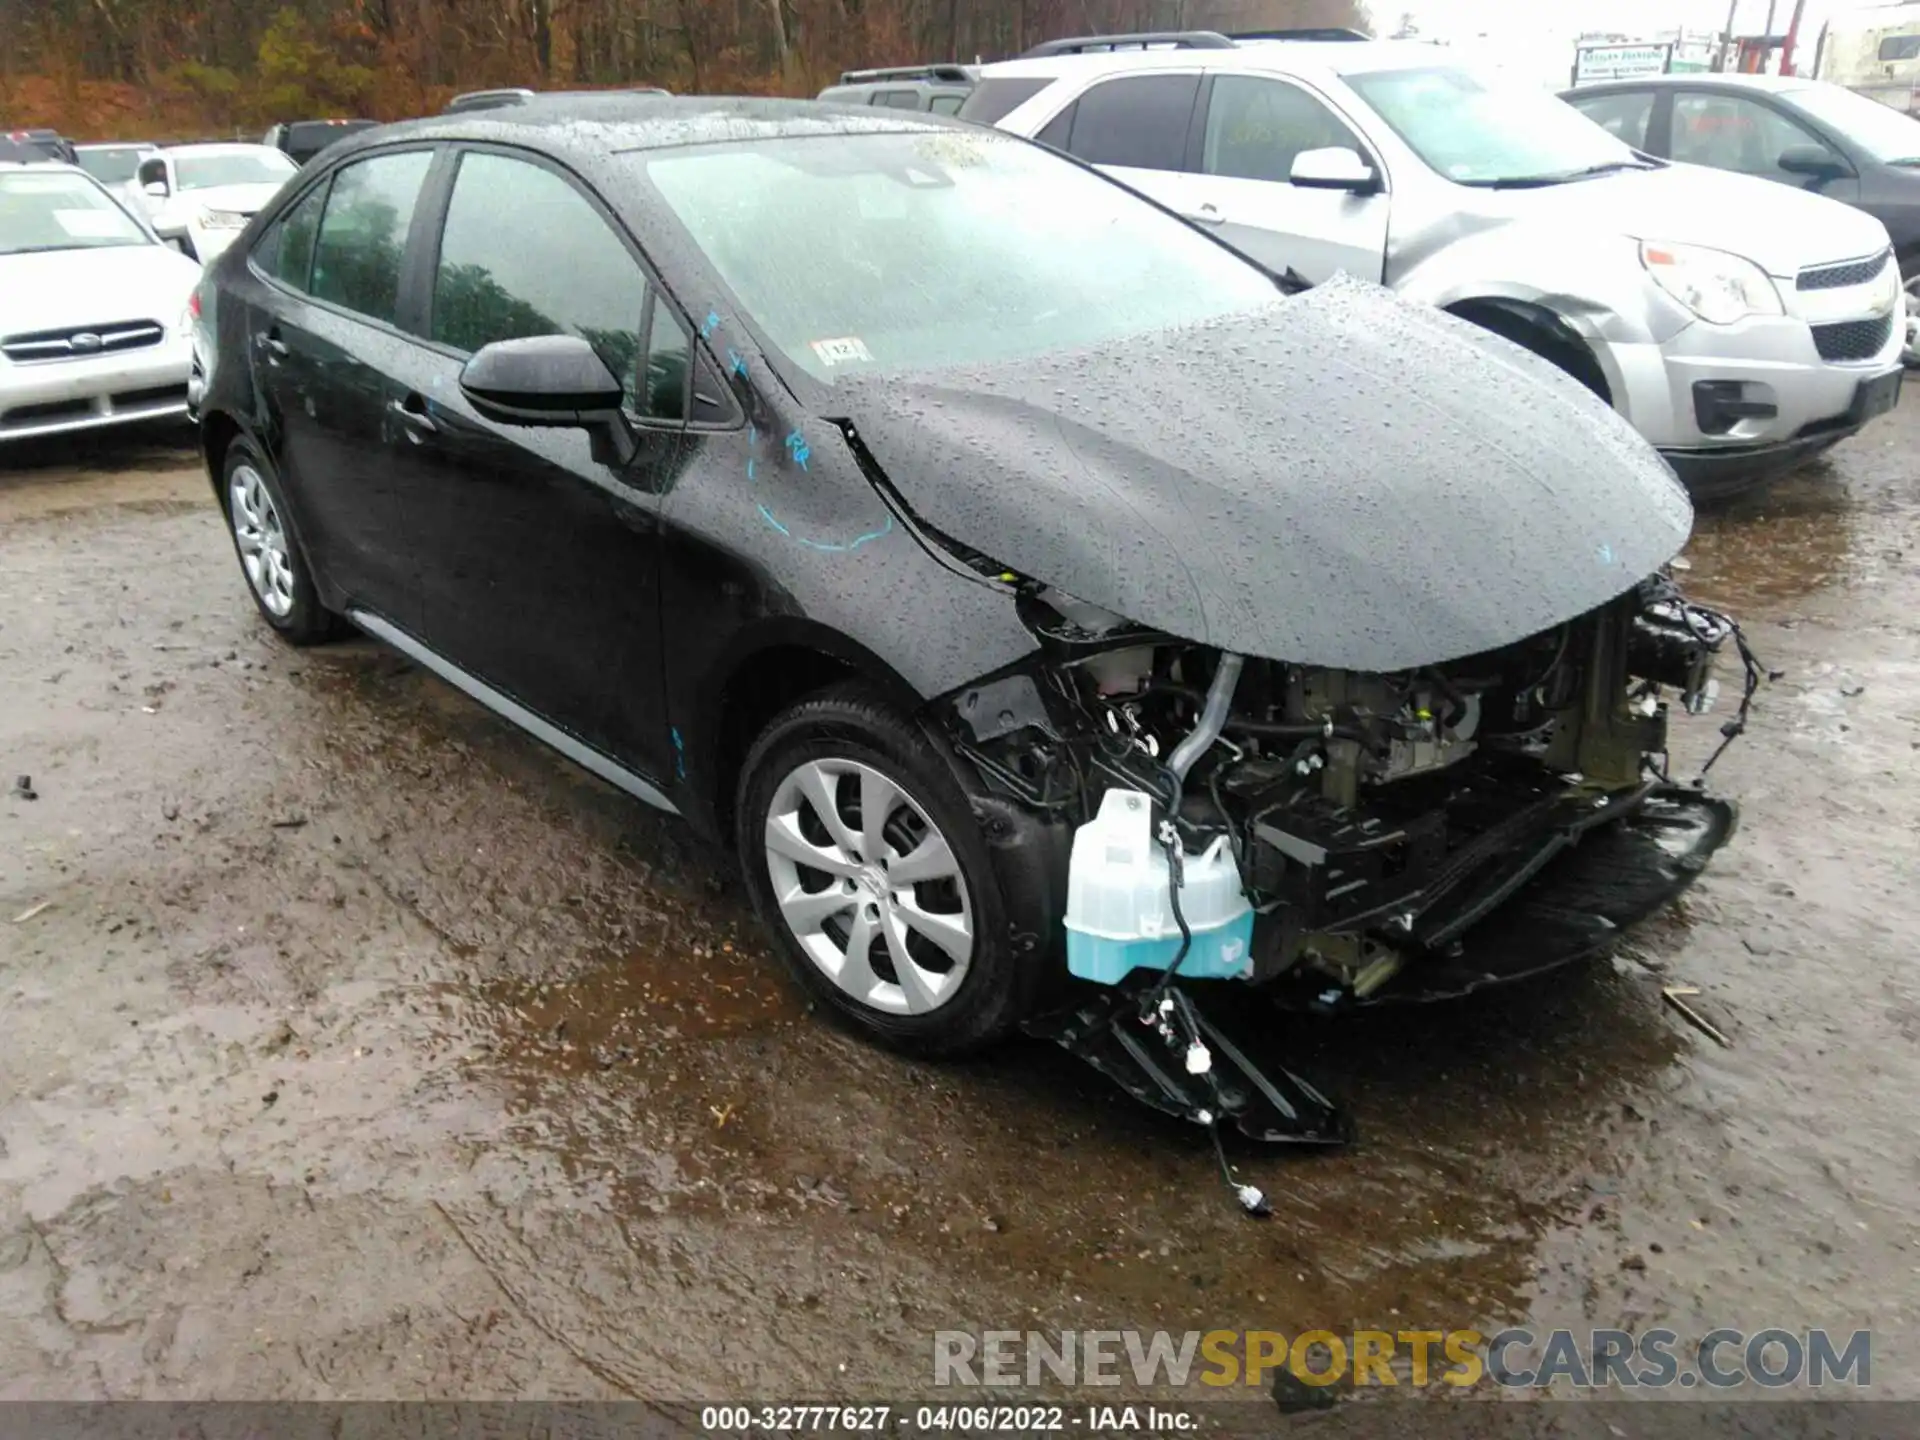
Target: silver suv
{"points": [[1740, 326]]}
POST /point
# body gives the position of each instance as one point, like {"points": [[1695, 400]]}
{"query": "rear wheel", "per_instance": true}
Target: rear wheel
{"points": [[866, 862], [270, 554]]}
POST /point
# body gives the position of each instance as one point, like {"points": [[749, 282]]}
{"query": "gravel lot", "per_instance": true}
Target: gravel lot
{"points": [[358, 1047]]}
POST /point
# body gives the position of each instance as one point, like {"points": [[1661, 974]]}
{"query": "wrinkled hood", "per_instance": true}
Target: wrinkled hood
{"points": [[237, 199], [102, 286], [1778, 227], [1343, 478]]}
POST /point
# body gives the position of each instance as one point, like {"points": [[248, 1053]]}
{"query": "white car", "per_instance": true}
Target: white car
{"points": [[1740, 326], [94, 324], [201, 197]]}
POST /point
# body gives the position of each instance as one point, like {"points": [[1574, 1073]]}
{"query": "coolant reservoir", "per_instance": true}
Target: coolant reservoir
{"points": [[1119, 916]]}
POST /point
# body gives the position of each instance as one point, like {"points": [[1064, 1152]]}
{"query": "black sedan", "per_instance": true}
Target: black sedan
{"points": [[1805, 133], [1027, 586]]}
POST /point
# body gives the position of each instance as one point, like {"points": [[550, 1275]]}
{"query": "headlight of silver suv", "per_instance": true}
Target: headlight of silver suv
{"points": [[1718, 287]]}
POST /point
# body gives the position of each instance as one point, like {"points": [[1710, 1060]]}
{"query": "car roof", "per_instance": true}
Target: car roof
{"points": [[117, 145], [610, 123], [1701, 80], [1330, 57]]}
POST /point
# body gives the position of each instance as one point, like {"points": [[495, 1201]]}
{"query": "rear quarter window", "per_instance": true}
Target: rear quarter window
{"points": [[1140, 122], [993, 99]]}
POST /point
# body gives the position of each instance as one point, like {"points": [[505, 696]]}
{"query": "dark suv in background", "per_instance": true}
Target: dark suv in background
{"points": [[33, 147], [304, 139]]}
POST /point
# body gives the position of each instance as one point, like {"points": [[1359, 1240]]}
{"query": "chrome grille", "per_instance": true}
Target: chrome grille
{"points": [[79, 341], [1853, 339], [1838, 277]]}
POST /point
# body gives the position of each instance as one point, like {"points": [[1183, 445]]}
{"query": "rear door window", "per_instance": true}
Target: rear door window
{"points": [[1140, 121], [363, 233], [1623, 115], [558, 269], [946, 104]]}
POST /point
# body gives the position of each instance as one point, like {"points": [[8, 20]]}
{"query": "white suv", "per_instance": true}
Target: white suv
{"points": [[1740, 326]]}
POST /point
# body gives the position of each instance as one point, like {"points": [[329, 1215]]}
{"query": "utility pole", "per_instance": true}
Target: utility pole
{"points": [[1726, 38], [1793, 35]]}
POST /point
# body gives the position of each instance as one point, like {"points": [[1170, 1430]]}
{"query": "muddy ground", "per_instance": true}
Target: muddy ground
{"points": [[355, 1046]]}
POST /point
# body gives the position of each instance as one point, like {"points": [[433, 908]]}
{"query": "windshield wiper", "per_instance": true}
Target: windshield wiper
{"points": [[1563, 177]]}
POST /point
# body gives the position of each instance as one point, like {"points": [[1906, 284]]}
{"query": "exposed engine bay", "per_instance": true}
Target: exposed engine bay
{"points": [[1373, 818], [1388, 831]]}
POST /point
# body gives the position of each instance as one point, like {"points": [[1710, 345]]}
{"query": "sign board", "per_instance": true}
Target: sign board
{"points": [[1594, 63]]}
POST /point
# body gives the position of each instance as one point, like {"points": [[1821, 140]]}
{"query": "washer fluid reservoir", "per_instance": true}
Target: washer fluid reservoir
{"points": [[1119, 915]]}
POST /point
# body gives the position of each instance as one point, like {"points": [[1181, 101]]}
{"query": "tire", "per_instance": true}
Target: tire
{"points": [[836, 743], [272, 560], [1910, 281], [1564, 354]]}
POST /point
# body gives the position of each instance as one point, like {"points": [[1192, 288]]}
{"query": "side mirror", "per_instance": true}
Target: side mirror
{"points": [[551, 380], [1815, 161], [1334, 168], [156, 188]]}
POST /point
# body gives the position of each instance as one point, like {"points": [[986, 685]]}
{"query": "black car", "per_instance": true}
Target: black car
{"points": [[31, 147], [1806, 133], [304, 139], [892, 497]]}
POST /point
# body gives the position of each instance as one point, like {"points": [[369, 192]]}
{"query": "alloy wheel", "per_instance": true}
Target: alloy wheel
{"points": [[869, 886], [262, 539]]}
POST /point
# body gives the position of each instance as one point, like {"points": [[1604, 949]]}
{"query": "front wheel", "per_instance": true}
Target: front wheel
{"points": [[866, 862]]}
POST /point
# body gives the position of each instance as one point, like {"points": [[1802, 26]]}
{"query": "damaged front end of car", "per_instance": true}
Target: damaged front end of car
{"points": [[1341, 838]]}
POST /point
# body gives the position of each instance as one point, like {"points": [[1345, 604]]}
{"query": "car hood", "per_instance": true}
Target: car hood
{"points": [[1342, 479], [102, 286], [1778, 227], [237, 199]]}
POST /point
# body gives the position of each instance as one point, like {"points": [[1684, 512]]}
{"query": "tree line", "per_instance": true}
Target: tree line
{"points": [[101, 68]]}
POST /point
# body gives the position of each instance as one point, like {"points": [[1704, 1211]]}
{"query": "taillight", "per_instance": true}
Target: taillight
{"points": [[193, 304]]}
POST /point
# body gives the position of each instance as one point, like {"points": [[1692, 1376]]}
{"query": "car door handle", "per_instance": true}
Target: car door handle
{"points": [[275, 347], [413, 414], [1206, 215]]}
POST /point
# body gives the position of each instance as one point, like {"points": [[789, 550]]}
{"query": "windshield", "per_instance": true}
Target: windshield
{"points": [[232, 167], [114, 165], [60, 210], [945, 248], [1880, 130], [1478, 131]]}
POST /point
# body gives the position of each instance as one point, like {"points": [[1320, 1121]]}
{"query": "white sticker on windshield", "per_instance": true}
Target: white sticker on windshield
{"points": [[844, 351], [91, 224]]}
